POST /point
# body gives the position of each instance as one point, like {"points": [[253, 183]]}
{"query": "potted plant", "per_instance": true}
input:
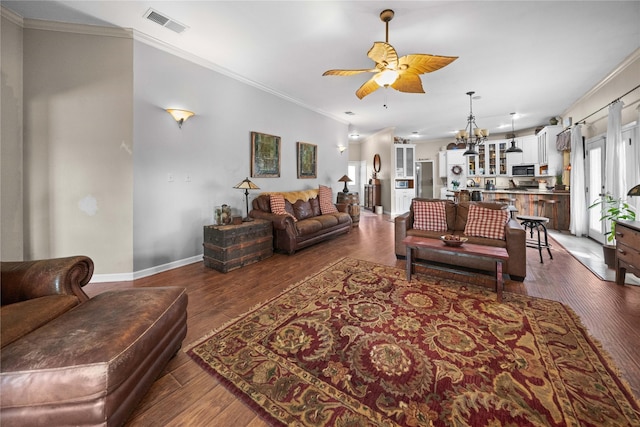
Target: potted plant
{"points": [[613, 209], [455, 184], [559, 184]]}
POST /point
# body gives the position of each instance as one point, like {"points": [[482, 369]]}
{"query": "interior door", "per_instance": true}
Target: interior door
{"points": [[595, 165]]}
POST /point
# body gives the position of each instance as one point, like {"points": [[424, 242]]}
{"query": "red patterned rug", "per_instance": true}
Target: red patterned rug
{"points": [[356, 345]]}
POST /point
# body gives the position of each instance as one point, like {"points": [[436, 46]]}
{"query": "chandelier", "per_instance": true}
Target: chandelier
{"points": [[471, 135]]}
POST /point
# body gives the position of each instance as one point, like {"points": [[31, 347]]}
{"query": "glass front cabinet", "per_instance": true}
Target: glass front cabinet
{"points": [[490, 161]]}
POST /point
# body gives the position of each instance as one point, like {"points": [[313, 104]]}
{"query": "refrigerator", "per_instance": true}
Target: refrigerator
{"points": [[424, 180]]}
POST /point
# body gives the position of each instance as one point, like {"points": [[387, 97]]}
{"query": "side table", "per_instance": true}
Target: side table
{"points": [[227, 247], [352, 200]]}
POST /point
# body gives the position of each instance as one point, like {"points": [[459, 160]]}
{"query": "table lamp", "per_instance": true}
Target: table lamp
{"points": [[247, 185], [345, 179]]}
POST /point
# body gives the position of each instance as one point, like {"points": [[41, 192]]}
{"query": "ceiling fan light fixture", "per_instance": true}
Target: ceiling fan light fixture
{"points": [[386, 78]]}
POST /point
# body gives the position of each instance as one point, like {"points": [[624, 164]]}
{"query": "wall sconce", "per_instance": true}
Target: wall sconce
{"points": [[180, 115], [342, 148]]}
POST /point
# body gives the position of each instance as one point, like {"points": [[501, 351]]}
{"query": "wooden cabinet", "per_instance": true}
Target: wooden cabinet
{"points": [[627, 249], [227, 247], [372, 196]]}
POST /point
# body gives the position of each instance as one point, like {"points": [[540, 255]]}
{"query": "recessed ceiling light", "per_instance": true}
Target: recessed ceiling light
{"points": [[350, 113]]}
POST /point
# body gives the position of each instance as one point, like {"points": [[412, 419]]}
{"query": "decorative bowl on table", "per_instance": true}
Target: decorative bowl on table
{"points": [[453, 240]]}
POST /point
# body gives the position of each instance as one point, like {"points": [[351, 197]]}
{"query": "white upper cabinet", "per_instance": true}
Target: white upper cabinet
{"points": [[404, 160]]}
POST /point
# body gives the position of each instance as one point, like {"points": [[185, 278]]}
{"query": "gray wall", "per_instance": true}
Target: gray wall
{"points": [[12, 247], [212, 148]]}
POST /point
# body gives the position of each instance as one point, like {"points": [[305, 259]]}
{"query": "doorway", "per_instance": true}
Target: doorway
{"points": [[424, 179], [595, 165], [357, 172]]}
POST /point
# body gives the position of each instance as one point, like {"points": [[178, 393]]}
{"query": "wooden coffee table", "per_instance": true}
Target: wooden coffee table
{"points": [[495, 254]]}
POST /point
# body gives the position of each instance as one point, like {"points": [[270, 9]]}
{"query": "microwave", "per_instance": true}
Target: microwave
{"points": [[402, 184], [523, 170]]}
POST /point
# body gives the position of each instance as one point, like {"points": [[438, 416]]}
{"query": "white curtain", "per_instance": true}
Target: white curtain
{"points": [[616, 171], [633, 152], [579, 223]]}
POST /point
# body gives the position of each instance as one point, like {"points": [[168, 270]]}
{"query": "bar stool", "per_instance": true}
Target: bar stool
{"points": [[542, 205], [511, 204], [536, 223]]}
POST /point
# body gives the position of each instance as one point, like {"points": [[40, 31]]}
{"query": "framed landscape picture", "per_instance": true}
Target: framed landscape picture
{"points": [[307, 160], [265, 155]]}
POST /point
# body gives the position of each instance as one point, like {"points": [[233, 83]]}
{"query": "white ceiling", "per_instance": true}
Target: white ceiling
{"points": [[535, 58]]}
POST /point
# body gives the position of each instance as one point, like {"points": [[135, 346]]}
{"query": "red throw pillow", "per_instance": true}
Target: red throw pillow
{"points": [[483, 222], [277, 205], [325, 196], [430, 216]]}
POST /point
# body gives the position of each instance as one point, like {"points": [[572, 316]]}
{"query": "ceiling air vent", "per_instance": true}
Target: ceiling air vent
{"points": [[165, 21]]}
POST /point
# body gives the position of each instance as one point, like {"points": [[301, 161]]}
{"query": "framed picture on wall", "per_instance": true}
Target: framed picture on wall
{"points": [[265, 155], [307, 160]]}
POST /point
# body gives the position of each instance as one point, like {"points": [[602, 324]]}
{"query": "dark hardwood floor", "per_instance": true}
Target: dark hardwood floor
{"points": [[186, 395]]}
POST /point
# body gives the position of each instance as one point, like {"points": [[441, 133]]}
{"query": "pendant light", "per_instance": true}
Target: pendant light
{"points": [[513, 148]]}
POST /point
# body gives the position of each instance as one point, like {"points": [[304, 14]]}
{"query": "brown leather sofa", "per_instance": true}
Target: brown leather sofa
{"points": [[514, 242], [68, 359], [311, 226]]}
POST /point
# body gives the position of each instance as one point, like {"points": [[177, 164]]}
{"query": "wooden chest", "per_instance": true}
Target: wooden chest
{"points": [[627, 249], [227, 247]]}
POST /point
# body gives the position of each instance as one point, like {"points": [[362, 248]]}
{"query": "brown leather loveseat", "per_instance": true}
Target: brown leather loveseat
{"points": [[310, 225], [68, 359], [456, 219]]}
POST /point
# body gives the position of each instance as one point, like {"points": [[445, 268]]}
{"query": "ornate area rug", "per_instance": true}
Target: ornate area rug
{"points": [[356, 345]]}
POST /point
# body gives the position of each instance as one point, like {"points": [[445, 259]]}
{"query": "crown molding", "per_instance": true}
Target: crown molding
{"points": [[158, 44], [64, 27], [634, 56], [11, 16]]}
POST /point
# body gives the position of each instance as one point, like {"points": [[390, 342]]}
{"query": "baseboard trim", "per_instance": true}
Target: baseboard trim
{"points": [[127, 277]]}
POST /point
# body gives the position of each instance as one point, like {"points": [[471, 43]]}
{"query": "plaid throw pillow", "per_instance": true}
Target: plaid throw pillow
{"points": [[429, 216], [483, 222], [325, 196], [277, 205]]}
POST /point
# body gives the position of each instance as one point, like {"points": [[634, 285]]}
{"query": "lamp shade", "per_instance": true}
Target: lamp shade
{"points": [[180, 115], [246, 184]]}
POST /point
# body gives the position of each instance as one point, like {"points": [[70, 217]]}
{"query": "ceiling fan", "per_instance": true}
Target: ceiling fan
{"points": [[402, 74]]}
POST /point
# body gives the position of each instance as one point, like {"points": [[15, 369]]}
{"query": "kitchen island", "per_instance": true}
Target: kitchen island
{"points": [[527, 203]]}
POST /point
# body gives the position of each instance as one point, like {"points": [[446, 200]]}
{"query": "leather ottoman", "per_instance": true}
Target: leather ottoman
{"points": [[93, 364]]}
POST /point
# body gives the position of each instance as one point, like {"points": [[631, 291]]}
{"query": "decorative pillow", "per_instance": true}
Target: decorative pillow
{"points": [[325, 195], [277, 205], [483, 222], [430, 216]]}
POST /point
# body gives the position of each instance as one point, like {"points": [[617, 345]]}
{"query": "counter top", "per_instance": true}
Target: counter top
{"points": [[510, 191]]}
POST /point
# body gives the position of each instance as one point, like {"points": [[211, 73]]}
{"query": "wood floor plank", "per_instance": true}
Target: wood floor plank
{"points": [[187, 395]]}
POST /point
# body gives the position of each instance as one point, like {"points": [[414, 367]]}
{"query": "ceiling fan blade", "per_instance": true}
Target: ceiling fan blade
{"points": [[420, 63], [368, 87], [384, 55], [408, 82], [347, 72]]}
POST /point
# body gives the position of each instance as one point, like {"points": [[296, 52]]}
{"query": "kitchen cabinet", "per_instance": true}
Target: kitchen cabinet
{"points": [[548, 155], [404, 156], [529, 146], [490, 161], [403, 200], [442, 164]]}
